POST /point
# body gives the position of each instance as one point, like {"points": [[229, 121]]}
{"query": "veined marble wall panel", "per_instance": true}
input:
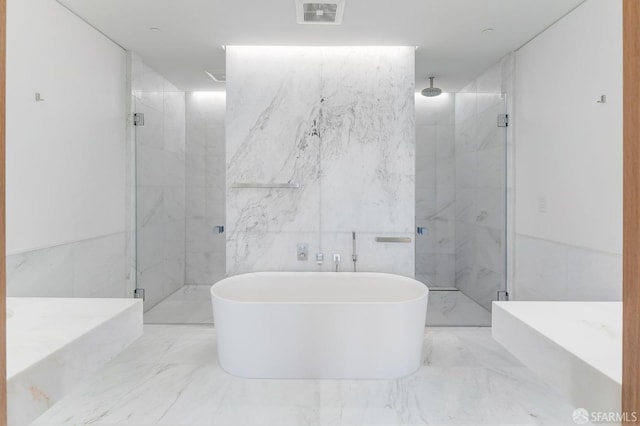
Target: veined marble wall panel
{"points": [[88, 268], [549, 270], [337, 121]]}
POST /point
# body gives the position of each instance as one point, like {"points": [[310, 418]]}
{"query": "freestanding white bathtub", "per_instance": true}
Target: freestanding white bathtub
{"points": [[320, 325]]}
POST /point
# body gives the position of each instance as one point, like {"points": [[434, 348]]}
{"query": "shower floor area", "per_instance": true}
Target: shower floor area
{"points": [[453, 308], [191, 304]]}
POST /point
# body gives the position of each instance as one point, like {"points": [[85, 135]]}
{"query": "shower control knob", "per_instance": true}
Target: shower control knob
{"points": [[303, 251]]}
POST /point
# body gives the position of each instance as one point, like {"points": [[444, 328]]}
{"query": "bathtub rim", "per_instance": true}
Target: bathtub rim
{"points": [[244, 302]]}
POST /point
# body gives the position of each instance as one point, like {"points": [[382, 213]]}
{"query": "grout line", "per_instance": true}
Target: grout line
{"points": [[560, 243], [68, 243]]}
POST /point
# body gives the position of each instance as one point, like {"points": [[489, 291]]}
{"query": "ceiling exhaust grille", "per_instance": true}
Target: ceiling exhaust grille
{"points": [[320, 12]]}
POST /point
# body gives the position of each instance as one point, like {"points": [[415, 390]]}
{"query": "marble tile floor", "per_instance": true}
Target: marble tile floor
{"points": [[454, 308], [171, 376], [191, 304]]}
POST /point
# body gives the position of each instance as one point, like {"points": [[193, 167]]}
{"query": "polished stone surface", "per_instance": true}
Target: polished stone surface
{"points": [[171, 376], [576, 347], [53, 344], [453, 308], [95, 267], [339, 122], [191, 304], [551, 270]]}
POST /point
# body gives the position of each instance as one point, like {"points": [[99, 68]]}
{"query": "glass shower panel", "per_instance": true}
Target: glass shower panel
{"points": [[180, 200], [461, 254], [160, 196]]}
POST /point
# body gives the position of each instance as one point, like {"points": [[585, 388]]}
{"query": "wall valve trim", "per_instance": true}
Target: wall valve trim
{"points": [[303, 251]]}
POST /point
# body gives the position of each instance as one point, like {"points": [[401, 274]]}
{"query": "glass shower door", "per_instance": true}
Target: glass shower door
{"points": [[160, 199], [180, 201], [461, 252]]}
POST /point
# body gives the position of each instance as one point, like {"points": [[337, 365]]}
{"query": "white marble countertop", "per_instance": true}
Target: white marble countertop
{"points": [[38, 327], [592, 331]]}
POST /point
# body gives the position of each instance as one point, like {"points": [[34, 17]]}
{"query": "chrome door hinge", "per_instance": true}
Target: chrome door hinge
{"points": [[138, 293], [503, 120], [503, 296], [138, 119]]}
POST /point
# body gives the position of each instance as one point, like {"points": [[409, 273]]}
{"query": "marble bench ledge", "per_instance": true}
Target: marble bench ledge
{"points": [[53, 344], [576, 347]]}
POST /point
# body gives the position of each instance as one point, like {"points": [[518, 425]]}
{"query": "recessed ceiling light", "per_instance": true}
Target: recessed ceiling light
{"points": [[488, 31], [328, 12], [219, 76], [154, 29]]}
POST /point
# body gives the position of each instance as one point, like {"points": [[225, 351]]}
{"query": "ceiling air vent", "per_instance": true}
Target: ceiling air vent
{"points": [[320, 12]]}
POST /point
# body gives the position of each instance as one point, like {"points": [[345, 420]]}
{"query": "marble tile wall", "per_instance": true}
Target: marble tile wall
{"points": [[160, 184], [88, 268], [480, 184], [549, 270], [435, 190], [337, 121], [205, 203], [569, 176], [95, 267], [65, 218]]}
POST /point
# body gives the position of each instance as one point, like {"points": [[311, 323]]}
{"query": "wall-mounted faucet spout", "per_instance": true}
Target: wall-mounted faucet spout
{"points": [[354, 256], [336, 261]]}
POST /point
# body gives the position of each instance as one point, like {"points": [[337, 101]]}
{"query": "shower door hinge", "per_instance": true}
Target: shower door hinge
{"points": [[503, 296], [138, 293], [138, 119], [503, 120]]}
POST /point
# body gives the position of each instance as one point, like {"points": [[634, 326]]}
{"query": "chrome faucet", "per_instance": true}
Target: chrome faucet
{"points": [[354, 256], [336, 260]]}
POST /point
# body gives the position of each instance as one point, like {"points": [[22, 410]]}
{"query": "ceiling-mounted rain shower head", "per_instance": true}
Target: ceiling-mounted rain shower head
{"points": [[431, 91]]}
